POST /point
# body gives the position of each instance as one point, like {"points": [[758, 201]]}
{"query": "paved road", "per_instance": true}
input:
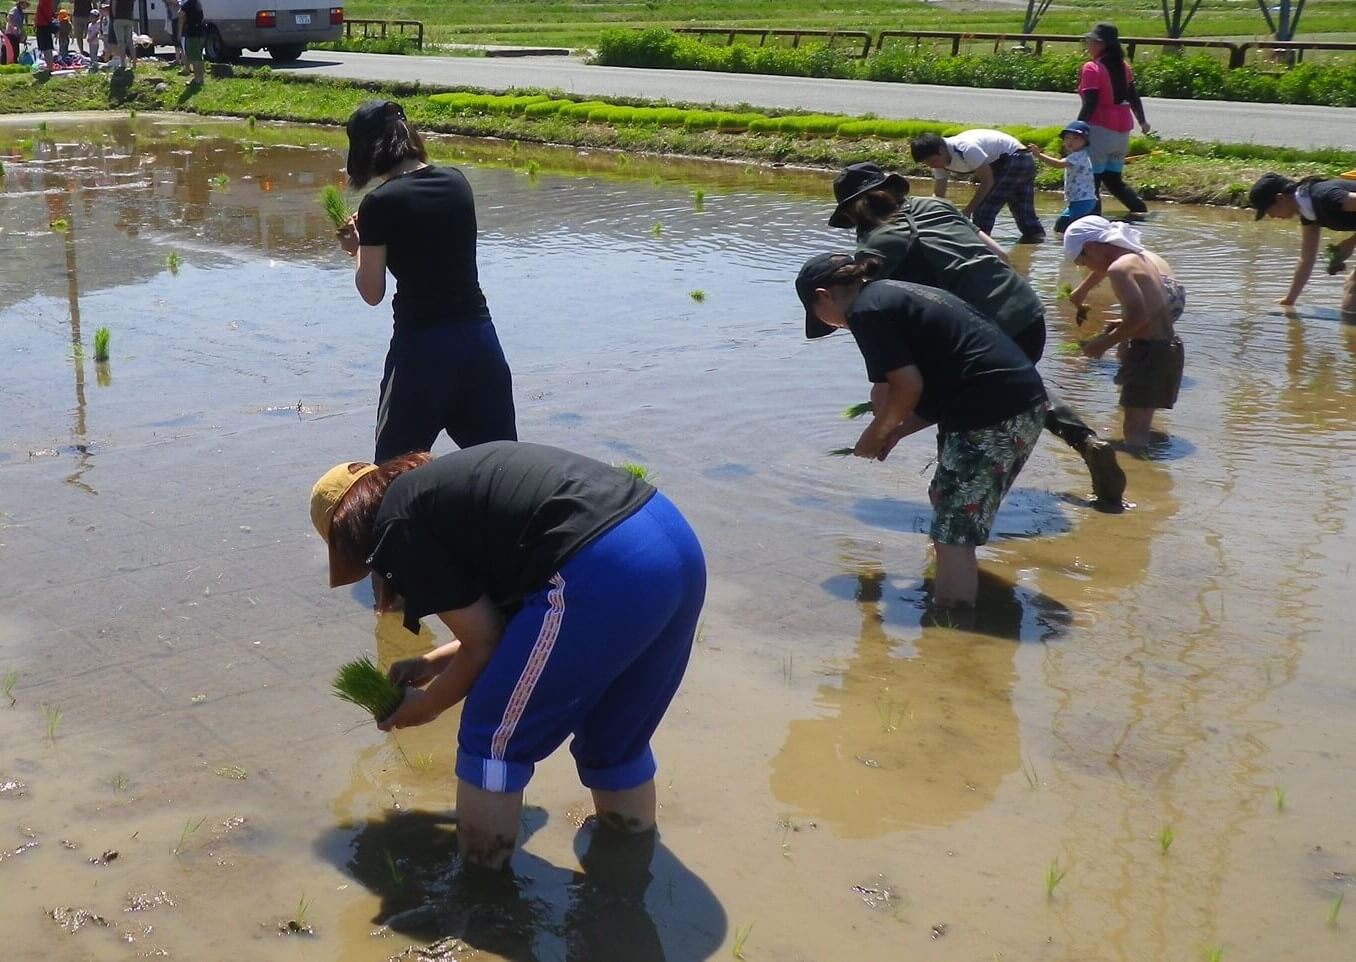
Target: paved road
{"points": [[1280, 124]]}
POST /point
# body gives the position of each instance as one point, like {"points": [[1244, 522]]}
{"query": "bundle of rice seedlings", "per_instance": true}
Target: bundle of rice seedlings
{"points": [[365, 685], [1070, 347], [336, 208], [636, 470], [1336, 262], [858, 410], [1064, 292], [101, 345], [841, 453]]}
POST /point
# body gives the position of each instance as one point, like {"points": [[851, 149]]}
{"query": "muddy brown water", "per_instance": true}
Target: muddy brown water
{"points": [[841, 777]]}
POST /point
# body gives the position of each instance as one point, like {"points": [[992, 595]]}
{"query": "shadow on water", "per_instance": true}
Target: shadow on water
{"points": [[1025, 513], [535, 911]]}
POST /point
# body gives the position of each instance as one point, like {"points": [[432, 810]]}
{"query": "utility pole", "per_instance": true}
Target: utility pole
{"points": [[1035, 9], [1174, 22], [1286, 19]]}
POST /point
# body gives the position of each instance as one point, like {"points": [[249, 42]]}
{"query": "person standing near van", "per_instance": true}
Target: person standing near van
{"points": [[124, 33], [193, 31], [1318, 203], [1000, 163], [445, 370], [1111, 105]]}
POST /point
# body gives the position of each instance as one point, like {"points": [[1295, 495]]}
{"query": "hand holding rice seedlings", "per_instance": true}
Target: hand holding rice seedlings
{"points": [[1336, 262], [1335, 909], [1054, 874], [859, 410], [53, 716], [1071, 347], [637, 471], [1165, 838], [365, 685], [740, 940], [7, 686], [186, 833], [336, 208], [101, 346], [697, 296], [1064, 291]]}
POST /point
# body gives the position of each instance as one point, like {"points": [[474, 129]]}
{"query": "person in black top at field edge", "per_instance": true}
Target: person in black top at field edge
{"points": [[192, 30], [937, 361], [1319, 203], [445, 369], [573, 590], [926, 240]]}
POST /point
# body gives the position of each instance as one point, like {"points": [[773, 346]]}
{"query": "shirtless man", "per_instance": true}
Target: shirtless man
{"points": [[1151, 302]]}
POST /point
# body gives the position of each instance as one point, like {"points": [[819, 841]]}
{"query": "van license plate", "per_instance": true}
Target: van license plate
{"points": [[303, 20]]}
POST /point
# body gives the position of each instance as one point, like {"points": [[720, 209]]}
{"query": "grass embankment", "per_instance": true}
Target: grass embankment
{"points": [[1184, 171], [578, 23]]}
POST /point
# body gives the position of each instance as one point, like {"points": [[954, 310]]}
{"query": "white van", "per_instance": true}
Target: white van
{"points": [[282, 27]]}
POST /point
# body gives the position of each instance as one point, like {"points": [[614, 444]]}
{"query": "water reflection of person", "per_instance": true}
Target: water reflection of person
{"points": [[926, 240], [445, 370], [603, 581], [903, 742], [1318, 203]]}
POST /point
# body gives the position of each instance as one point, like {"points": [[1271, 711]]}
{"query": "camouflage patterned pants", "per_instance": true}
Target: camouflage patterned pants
{"points": [[975, 469]]}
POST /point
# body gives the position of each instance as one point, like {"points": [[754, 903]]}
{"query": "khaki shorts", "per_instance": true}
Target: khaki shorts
{"points": [[1151, 373]]}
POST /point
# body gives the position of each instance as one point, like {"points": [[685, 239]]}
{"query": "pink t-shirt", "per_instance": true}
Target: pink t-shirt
{"points": [[1094, 75]]}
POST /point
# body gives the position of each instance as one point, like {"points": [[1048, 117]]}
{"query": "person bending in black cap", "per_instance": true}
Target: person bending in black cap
{"points": [[445, 369], [926, 240], [932, 359], [1318, 203]]}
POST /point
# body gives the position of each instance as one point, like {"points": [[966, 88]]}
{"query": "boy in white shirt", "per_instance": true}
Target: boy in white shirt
{"points": [[1004, 169], [1080, 185]]}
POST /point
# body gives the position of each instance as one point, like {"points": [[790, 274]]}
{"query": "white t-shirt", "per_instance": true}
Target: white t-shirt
{"points": [[1079, 182], [972, 149]]}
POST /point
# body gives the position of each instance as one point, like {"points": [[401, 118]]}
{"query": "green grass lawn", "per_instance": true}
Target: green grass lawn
{"points": [[577, 23]]}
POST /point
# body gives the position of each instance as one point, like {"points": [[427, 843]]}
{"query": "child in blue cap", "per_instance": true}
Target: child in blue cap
{"points": [[1080, 185]]}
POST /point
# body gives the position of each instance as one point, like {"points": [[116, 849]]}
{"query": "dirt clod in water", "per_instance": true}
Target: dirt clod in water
{"points": [[110, 856], [147, 900], [73, 920], [879, 894], [444, 950], [12, 852], [938, 931], [293, 927], [11, 788]]}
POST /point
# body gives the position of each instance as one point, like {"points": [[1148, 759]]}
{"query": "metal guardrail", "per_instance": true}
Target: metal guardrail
{"points": [[857, 36], [1296, 47], [371, 32], [1039, 40]]}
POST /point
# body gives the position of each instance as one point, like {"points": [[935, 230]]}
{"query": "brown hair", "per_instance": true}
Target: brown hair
{"points": [[874, 208], [353, 533], [375, 150], [863, 269]]}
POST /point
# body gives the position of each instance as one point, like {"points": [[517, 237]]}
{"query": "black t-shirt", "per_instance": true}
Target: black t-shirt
{"points": [[427, 220], [193, 17], [124, 9], [497, 519], [81, 8], [973, 374], [1328, 197]]}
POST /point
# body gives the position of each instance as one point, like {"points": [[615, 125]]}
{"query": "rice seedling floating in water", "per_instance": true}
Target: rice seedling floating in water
{"points": [[186, 834], [1165, 838], [336, 208], [221, 182], [365, 685], [658, 229], [1054, 874], [297, 924], [741, 939], [173, 261], [53, 715], [1335, 909], [698, 295], [699, 200], [11, 679], [60, 226], [119, 783], [397, 875], [638, 471], [858, 410], [1071, 347], [101, 346]]}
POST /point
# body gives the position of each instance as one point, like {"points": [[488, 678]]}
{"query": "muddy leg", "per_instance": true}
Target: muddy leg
{"points": [[1137, 422], [957, 580], [631, 810], [487, 824]]}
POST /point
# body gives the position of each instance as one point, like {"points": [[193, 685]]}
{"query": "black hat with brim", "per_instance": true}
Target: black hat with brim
{"points": [[1264, 193], [369, 122], [855, 180], [815, 274], [1104, 33]]}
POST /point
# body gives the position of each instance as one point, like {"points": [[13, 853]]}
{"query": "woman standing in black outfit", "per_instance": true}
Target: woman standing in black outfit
{"points": [[445, 370]]}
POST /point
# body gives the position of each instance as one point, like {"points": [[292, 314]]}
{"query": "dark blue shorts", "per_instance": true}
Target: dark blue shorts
{"points": [[597, 654]]}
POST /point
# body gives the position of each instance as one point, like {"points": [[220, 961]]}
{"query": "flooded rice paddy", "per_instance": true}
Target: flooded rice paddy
{"points": [[1140, 748]]}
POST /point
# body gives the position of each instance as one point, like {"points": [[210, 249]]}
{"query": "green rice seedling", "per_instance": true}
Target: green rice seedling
{"points": [[1070, 348], [365, 685], [1054, 874], [1336, 262], [194, 132], [53, 715], [173, 262], [186, 834], [336, 208], [658, 229], [221, 182], [1278, 794], [234, 772], [303, 909], [532, 167], [420, 763], [1065, 291], [858, 410], [42, 126], [60, 226], [2, 168], [698, 199], [637, 471], [1165, 838], [697, 295], [841, 453], [7, 686], [101, 346], [119, 783], [250, 122], [1214, 953], [1335, 908], [741, 939], [397, 874]]}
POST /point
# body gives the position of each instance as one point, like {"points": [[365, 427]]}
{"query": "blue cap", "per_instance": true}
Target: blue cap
{"points": [[1079, 127]]}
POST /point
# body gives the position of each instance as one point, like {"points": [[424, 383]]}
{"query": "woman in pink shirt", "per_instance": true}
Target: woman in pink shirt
{"points": [[1111, 105]]}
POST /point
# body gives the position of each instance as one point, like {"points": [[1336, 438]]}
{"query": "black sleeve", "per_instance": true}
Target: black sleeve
{"points": [[1089, 104], [881, 340], [421, 572], [374, 229], [1136, 104]]}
